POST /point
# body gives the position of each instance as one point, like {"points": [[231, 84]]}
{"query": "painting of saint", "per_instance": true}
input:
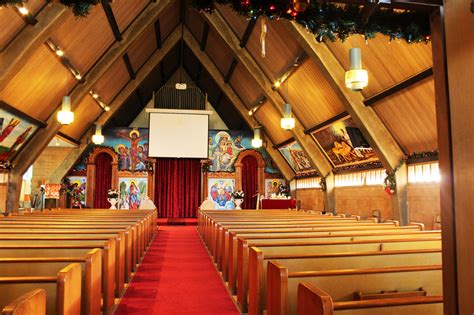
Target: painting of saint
{"points": [[273, 186], [297, 158], [344, 143], [220, 191], [131, 146], [14, 132], [132, 192], [223, 151]]}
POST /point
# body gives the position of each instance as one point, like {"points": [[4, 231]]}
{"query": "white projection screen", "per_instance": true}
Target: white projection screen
{"points": [[179, 134]]}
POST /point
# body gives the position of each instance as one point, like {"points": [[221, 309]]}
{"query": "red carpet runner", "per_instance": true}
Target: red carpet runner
{"points": [[177, 277]]}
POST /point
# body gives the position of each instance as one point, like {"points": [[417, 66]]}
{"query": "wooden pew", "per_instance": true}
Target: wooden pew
{"points": [[341, 284], [313, 301], [91, 265], [238, 248], [63, 291], [99, 242], [54, 250], [329, 261], [31, 303], [322, 247], [72, 234]]}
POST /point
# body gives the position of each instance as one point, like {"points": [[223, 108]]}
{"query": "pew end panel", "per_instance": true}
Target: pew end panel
{"points": [[31, 303], [277, 280], [313, 301], [69, 290]]}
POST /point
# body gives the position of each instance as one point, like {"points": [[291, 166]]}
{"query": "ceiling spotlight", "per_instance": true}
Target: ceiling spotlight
{"points": [[78, 76], [277, 84], [23, 11], [59, 53], [106, 108]]}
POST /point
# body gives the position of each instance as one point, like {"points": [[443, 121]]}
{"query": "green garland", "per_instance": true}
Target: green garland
{"points": [[390, 182], [79, 7], [334, 21]]}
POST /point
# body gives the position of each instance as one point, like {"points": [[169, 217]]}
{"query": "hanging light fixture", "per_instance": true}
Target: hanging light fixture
{"points": [[65, 116], [356, 78], [287, 122], [98, 138], [257, 137]]}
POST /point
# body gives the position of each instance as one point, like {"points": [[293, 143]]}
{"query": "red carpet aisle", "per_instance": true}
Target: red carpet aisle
{"points": [[177, 277]]}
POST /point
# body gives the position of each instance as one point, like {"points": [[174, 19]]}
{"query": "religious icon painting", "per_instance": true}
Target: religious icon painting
{"points": [[220, 191], [131, 146], [131, 192], [344, 144], [15, 131], [296, 158]]}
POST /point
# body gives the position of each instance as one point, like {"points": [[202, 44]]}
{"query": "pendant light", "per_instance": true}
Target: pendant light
{"points": [[65, 116], [356, 78], [98, 138], [257, 137], [287, 122]]}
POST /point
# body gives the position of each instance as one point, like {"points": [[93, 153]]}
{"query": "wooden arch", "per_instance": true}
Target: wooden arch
{"points": [[91, 172], [261, 170]]}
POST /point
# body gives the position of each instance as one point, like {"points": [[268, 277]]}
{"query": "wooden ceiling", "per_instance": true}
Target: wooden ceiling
{"points": [[40, 82]]}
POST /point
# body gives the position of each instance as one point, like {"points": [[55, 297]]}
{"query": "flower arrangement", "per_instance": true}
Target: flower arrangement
{"points": [[390, 182], [74, 190], [238, 194], [112, 194]]}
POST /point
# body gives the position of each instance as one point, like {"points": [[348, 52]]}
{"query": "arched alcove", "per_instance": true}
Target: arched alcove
{"points": [[91, 172], [239, 168]]}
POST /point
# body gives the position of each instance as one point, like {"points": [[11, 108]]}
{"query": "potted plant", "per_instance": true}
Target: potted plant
{"points": [[238, 198]]}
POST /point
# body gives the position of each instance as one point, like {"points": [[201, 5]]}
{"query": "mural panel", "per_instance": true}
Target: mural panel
{"points": [[132, 191], [297, 158], [344, 143], [225, 146], [14, 133], [131, 146], [220, 191], [78, 188]]}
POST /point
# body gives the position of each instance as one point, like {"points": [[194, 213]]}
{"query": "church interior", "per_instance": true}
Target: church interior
{"points": [[309, 157]]}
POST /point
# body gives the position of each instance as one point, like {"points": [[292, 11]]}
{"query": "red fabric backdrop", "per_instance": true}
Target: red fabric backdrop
{"points": [[177, 187], [249, 181], [103, 180]]}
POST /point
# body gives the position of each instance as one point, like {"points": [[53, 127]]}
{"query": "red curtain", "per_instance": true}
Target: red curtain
{"points": [[103, 180], [249, 181], [177, 187]]}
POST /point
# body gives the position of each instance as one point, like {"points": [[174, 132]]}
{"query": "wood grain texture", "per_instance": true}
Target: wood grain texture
{"points": [[142, 48], [126, 11], [33, 302]]}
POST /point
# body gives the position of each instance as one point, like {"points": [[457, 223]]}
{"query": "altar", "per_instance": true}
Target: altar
{"points": [[278, 204]]}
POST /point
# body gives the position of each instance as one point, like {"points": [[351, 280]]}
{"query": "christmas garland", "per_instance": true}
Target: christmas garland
{"points": [[79, 7], [390, 183], [332, 21]]}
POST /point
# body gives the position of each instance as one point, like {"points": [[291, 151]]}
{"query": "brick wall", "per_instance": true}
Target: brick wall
{"points": [[47, 163], [423, 201]]}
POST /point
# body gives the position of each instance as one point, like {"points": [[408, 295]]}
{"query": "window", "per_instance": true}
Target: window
{"points": [[306, 183], [367, 178], [424, 173]]}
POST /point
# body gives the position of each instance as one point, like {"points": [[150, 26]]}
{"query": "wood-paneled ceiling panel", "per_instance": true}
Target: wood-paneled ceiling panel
{"points": [[236, 22], [112, 82], [84, 40], [387, 63], [312, 98], [11, 22], [195, 23], [169, 19], [84, 116], [38, 87], [218, 51], [245, 86], [126, 11], [281, 48], [142, 48], [269, 117], [411, 117]]}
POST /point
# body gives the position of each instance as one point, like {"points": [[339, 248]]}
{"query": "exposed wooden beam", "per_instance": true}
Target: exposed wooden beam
{"points": [[28, 18], [231, 70], [217, 76], [18, 52], [377, 134], [314, 153], [111, 18], [140, 97], [399, 86], [158, 33], [171, 41], [415, 5], [40, 140], [326, 123], [14, 110], [68, 138], [205, 34], [248, 31], [128, 65]]}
